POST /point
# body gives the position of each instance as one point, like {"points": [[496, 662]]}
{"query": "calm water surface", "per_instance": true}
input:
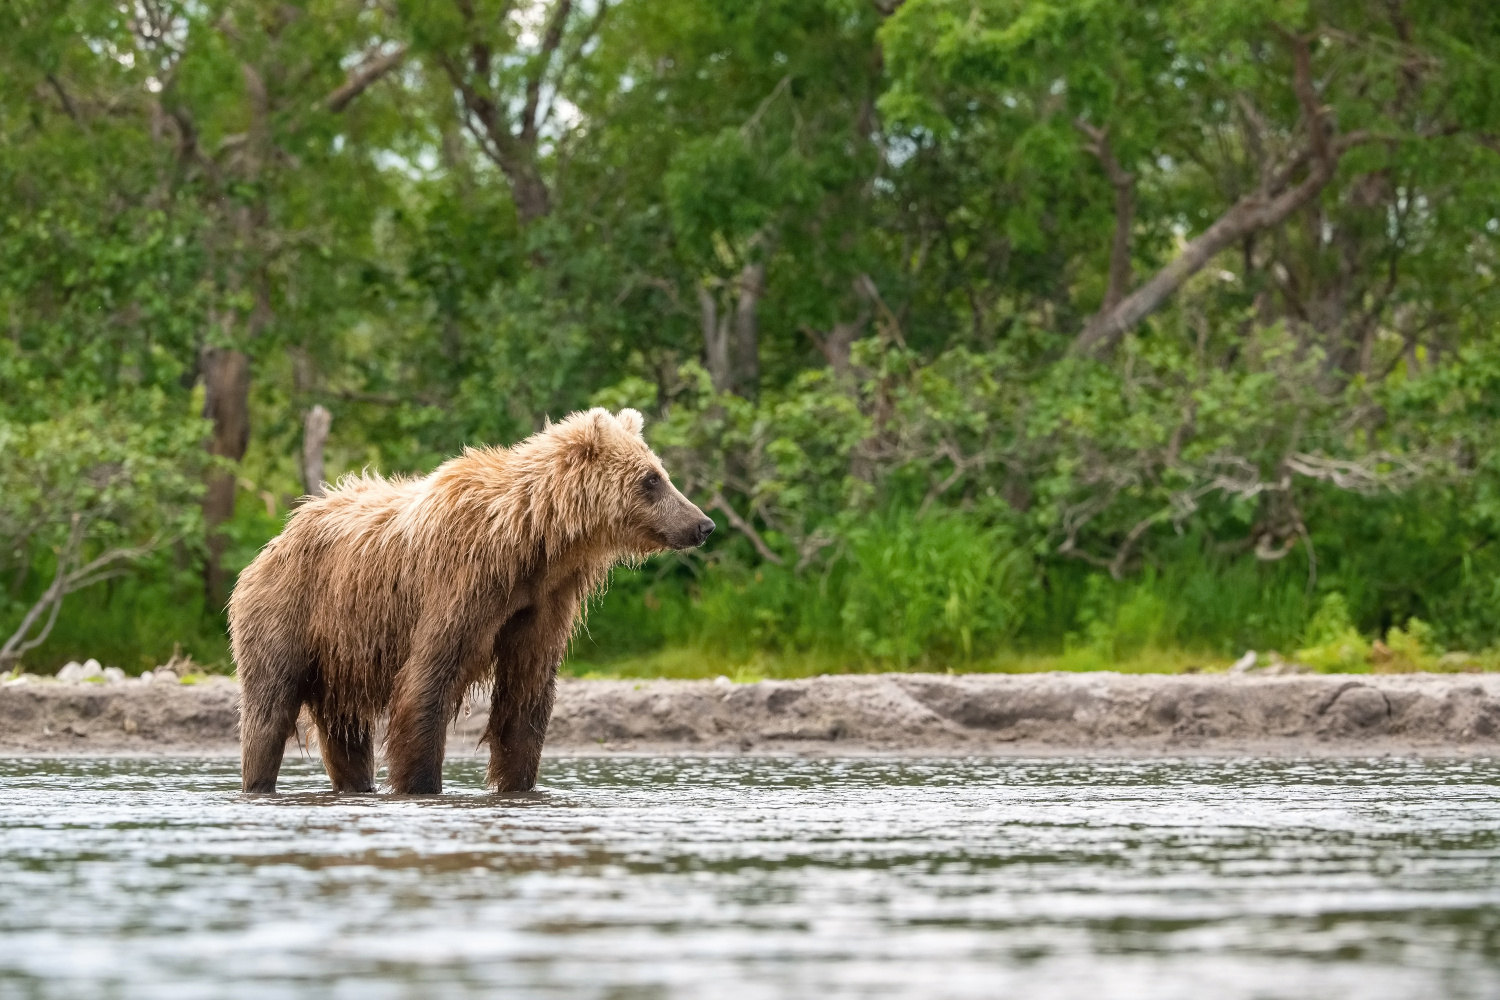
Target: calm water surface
{"points": [[758, 877]]}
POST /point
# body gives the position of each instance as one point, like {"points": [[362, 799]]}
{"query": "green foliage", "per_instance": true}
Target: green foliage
{"points": [[1412, 648], [935, 589], [1333, 644], [841, 253], [86, 494]]}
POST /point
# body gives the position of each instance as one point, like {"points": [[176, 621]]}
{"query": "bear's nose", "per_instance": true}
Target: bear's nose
{"points": [[705, 528]]}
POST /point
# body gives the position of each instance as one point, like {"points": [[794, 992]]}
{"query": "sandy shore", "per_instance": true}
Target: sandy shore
{"points": [[1095, 713]]}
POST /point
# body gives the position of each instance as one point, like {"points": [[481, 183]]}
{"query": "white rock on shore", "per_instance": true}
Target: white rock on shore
{"points": [[76, 671], [90, 672]]}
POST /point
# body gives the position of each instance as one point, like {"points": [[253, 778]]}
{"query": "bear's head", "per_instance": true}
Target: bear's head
{"points": [[619, 486]]}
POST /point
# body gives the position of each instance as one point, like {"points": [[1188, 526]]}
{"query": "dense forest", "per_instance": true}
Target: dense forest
{"points": [[986, 329]]}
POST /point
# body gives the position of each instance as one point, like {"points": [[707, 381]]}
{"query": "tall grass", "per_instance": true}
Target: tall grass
{"points": [[944, 591]]}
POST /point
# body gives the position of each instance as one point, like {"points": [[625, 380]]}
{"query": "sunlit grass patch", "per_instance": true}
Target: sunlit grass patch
{"points": [[687, 663]]}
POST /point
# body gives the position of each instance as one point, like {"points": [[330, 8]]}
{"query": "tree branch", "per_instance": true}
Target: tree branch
{"points": [[572, 57], [1363, 476], [62, 95], [17, 645], [514, 156], [1124, 184], [551, 39], [760, 110], [1314, 112], [960, 467], [1250, 214], [744, 527], [362, 76], [1270, 205]]}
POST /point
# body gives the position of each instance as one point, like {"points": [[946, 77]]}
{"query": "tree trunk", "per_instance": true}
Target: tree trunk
{"points": [[715, 341], [746, 348], [315, 429], [533, 200], [837, 346], [1123, 181], [226, 402]]}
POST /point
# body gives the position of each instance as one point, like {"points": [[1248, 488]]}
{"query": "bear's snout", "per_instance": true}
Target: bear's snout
{"points": [[692, 534], [680, 523]]}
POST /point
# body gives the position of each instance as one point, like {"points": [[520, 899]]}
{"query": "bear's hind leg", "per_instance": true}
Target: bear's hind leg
{"points": [[414, 744], [265, 726], [348, 754]]}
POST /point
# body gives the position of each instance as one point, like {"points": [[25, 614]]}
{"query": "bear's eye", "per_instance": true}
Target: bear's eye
{"points": [[651, 482]]}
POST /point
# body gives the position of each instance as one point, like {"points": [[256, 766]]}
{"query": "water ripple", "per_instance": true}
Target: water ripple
{"points": [[759, 877]]}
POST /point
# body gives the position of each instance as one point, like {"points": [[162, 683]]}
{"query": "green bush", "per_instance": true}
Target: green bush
{"points": [[1409, 649], [942, 587], [1333, 644]]}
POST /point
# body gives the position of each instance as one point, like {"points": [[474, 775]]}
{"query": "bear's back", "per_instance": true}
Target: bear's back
{"points": [[361, 510]]}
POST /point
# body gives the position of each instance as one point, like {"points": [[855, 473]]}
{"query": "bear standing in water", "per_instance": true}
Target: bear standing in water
{"points": [[401, 594]]}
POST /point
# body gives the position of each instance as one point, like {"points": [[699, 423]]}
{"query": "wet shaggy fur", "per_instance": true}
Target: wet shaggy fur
{"points": [[401, 594]]}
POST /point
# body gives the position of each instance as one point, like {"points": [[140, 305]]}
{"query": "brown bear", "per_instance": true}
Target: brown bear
{"points": [[401, 594]]}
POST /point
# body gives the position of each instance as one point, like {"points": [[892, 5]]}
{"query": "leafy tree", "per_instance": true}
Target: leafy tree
{"points": [[1181, 311], [91, 491]]}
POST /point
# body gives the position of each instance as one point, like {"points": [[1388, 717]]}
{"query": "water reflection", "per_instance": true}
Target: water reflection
{"points": [[758, 877]]}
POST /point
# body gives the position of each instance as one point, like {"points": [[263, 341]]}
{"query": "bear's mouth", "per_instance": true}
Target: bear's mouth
{"points": [[692, 536]]}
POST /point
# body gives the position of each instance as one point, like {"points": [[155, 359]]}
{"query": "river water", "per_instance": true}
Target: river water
{"points": [[633, 878]]}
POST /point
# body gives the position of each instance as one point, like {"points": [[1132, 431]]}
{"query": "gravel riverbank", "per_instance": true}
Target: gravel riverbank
{"points": [[1056, 713]]}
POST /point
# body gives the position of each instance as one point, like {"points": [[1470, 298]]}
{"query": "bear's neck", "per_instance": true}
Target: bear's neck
{"points": [[524, 513]]}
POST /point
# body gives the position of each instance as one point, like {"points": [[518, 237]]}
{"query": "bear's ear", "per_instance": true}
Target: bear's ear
{"points": [[632, 421], [583, 434]]}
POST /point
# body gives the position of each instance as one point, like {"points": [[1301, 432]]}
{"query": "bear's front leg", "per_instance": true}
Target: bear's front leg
{"points": [[528, 651], [518, 728], [428, 689]]}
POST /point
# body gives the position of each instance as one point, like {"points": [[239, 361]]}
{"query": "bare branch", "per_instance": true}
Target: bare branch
{"points": [[110, 557], [1364, 476], [744, 527], [1276, 200], [551, 38], [83, 583], [51, 600], [811, 546], [1250, 214], [1264, 551], [362, 76], [1117, 564], [765, 104], [961, 466]]}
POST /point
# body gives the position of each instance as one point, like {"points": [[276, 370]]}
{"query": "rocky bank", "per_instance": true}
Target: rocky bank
{"points": [[1093, 713]]}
